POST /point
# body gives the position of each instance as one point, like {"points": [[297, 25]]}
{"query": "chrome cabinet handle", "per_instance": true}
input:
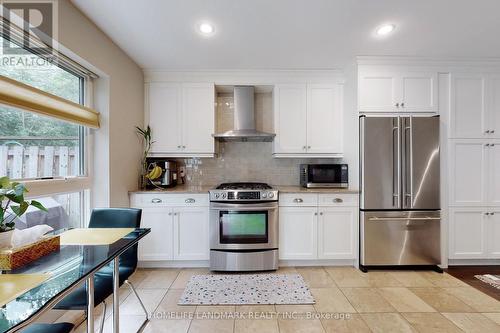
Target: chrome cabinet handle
{"points": [[397, 105], [321, 213], [487, 131], [298, 200], [179, 147], [316, 214], [487, 145], [183, 147], [170, 214], [486, 213], [190, 200], [308, 147], [492, 145], [156, 200], [492, 131], [338, 200], [381, 219], [304, 148], [175, 214], [402, 105]]}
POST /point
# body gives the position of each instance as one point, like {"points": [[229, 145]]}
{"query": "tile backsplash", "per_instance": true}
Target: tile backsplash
{"points": [[244, 161]]}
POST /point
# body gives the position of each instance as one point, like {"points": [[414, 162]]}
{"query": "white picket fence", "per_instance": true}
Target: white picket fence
{"points": [[33, 161]]}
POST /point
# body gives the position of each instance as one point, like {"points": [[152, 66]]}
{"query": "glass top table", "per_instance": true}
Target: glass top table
{"points": [[68, 267]]}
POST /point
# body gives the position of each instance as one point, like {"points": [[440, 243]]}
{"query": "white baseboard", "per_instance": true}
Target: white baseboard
{"points": [[282, 263], [473, 262]]}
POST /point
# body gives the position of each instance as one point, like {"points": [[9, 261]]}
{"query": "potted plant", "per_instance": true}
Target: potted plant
{"points": [[147, 141], [12, 206]]}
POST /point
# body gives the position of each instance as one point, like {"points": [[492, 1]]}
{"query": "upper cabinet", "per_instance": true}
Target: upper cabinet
{"points": [[308, 120], [182, 117], [397, 91], [475, 106]]}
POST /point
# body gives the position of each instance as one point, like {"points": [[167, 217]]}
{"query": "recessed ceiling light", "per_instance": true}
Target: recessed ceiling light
{"points": [[206, 29], [385, 29]]}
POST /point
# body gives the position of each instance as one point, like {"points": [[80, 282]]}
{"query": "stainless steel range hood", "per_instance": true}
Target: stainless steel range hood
{"points": [[244, 119]]}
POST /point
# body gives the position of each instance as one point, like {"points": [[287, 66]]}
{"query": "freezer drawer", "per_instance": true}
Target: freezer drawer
{"points": [[400, 238]]}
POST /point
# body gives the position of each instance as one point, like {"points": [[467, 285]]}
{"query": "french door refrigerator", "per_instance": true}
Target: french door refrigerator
{"points": [[400, 198]]}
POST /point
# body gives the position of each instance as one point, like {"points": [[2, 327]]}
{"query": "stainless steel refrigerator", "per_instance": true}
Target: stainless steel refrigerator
{"points": [[400, 197]]}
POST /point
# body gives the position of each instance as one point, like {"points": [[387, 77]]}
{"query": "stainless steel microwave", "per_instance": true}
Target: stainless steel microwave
{"points": [[324, 175]]}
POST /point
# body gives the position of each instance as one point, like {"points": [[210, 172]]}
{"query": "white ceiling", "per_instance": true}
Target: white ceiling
{"points": [[285, 34]]}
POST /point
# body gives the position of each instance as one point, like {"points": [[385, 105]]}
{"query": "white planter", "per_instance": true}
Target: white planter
{"points": [[6, 239]]}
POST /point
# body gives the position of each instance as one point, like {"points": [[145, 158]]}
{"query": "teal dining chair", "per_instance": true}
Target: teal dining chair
{"points": [[103, 279]]}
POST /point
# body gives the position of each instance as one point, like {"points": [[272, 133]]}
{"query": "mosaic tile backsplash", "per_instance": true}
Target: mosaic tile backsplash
{"points": [[245, 161]]}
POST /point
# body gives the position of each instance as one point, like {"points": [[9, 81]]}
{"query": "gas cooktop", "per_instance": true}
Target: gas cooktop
{"points": [[244, 191]]}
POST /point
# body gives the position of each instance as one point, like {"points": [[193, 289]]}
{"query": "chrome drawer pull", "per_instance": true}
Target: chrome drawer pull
{"points": [[156, 200], [190, 200], [298, 200], [338, 200], [427, 218]]}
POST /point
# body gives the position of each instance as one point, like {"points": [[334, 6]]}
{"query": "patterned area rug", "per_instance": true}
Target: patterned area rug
{"points": [[493, 280], [246, 289]]}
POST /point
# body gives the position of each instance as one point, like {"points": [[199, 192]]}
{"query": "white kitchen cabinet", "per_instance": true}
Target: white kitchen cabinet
{"points": [[190, 233], [157, 245], [324, 119], [493, 233], [337, 232], [397, 91], [182, 118], [179, 226], [298, 232], [468, 106], [164, 106], [475, 180], [308, 120], [468, 162], [494, 106], [468, 237], [290, 118]]}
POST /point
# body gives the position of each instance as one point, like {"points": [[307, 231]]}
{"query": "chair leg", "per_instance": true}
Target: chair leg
{"points": [[101, 325], [128, 283]]}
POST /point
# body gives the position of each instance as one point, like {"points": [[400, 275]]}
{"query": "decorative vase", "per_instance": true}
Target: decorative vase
{"points": [[6, 239]]}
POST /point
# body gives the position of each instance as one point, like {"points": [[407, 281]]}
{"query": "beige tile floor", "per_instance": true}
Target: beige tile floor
{"points": [[346, 301]]}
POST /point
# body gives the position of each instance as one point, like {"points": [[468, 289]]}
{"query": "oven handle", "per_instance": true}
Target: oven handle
{"points": [[252, 206]]}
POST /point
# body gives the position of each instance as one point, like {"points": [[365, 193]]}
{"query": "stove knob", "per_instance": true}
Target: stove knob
{"points": [[271, 194], [223, 195], [264, 195], [216, 195]]}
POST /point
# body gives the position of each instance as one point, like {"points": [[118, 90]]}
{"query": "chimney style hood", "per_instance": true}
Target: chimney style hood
{"points": [[244, 119]]}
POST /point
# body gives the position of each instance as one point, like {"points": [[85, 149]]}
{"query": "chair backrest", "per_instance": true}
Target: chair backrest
{"points": [[118, 218]]}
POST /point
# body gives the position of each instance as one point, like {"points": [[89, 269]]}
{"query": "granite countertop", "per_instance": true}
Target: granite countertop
{"points": [[178, 189], [281, 188], [300, 189]]}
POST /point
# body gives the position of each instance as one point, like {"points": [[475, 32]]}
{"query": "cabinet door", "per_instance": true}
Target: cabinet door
{"points": [[298, 232], [377, 92], [198, 118], [468, 162], [419, 92], [163, 115], [467, 233], [493, 108], [157, 245], [493, 181], [290, 119], [324, 119], [467, 107], [191, 233], [336, 233], [493, 233]]}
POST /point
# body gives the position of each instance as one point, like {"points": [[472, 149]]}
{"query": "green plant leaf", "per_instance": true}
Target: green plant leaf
{"points": [[16, 210], [4, 182], [38, 205]]}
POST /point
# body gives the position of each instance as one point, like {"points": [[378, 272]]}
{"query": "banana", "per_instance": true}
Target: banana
{"points": [[154, 173]]}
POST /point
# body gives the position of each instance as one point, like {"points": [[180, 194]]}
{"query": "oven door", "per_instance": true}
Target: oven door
{"points": [[243, 226]]}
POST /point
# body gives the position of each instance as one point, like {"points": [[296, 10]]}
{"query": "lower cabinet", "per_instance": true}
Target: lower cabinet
{"points": [[317, 232], [336, 232], [474, 233], [177, 233], [298, 232]]}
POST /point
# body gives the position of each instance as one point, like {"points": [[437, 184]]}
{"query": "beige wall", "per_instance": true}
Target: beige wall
{"points": [[118, 95]]}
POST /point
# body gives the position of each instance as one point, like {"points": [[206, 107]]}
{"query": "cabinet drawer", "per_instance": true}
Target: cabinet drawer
{"points": [[167, 200], [298, 199], [338, 199]]}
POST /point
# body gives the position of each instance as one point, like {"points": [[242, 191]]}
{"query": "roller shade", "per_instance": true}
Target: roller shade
{"points": [[20, 95]]}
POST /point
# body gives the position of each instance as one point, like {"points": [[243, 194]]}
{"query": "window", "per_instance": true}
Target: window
{"points": [[34, 146], [41, 150]]}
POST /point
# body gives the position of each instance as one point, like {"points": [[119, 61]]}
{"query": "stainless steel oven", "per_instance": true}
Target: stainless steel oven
{"points": [[243, 227]]}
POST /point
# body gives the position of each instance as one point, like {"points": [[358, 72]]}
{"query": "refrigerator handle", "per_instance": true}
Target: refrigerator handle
{"points": [[396, 167], [408, 164]]}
